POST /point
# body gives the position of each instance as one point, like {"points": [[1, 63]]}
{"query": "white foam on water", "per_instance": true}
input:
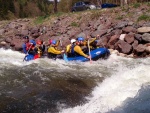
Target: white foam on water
{"points": [[111, 93], [127, 77]]}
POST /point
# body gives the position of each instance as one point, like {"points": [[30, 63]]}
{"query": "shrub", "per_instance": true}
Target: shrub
{"points": [[136, 5], [144, 17], [119, 17], [74, 24], [95, 15], [40, 19]]}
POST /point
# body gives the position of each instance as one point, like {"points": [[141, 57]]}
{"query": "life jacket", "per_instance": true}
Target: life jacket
{"points": [[73, 53], [38, 52], [51, 55], [72, 48], [29, 46]]}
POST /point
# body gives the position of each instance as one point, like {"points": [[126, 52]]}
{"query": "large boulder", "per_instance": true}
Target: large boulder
{"points": [[102, 42], [129, 38], [138, 37], [146, 37], [123, 47], [135, 44], [140, 48], [143, 30], [98, 32], [112, 41], [148, 49], [129, 29], [121, 25]]}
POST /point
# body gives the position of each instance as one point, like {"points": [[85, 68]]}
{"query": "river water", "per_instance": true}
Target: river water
{"points": [[115, 85]]}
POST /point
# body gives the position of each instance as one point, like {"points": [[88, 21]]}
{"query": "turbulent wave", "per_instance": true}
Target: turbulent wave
{"points": [[44, 85]]}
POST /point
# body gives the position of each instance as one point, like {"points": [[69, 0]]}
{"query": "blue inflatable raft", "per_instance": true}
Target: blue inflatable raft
{"points": [[28, 57], [95, 55]]}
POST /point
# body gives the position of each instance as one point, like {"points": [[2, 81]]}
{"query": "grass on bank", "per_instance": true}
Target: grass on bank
{"points": [[40, 19], [144, 17], [92, 14]]}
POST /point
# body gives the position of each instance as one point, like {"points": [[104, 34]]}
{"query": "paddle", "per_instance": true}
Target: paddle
{"points": [[64, 55], [89, 51]]}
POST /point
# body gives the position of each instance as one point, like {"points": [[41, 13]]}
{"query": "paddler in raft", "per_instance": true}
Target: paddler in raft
{"points": [[53, 51], [76, 50]]}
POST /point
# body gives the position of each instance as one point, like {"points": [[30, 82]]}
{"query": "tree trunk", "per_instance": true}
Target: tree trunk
{"points": [[99, 3], [122, 3], [55, 6]]}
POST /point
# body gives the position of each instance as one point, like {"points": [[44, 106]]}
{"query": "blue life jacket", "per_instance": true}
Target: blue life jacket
{"points": [[72, 49]]}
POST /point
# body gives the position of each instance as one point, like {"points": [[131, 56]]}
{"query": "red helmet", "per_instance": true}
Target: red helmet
{"points": [[50, 41], [39, 42]]}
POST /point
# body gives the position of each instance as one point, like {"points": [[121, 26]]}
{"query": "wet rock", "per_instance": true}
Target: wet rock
{"points": [[147, 49], [114, 52], [122, 54], [140, 48], [135, 44], [130, 56]]}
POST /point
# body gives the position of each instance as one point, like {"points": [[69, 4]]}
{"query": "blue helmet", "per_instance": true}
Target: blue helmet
{"points": [[96, 41], [80, 39], [54, 42]]}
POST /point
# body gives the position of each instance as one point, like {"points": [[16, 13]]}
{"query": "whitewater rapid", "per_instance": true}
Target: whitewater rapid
{"points": [[125, 82]]}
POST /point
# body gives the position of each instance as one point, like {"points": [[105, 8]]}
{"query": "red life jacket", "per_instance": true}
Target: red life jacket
{"points": [[29, 46]]}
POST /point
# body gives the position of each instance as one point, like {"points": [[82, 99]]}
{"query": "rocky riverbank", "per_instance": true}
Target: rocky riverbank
{"points": [[120, 29]]}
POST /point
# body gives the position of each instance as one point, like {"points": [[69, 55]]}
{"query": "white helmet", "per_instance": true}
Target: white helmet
{"points": [[73, 40]]}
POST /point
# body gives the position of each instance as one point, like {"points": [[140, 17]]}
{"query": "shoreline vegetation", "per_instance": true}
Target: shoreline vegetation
{"points": [[123, 30]]}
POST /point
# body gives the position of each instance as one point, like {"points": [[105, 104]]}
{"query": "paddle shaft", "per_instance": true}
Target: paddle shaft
{"points": [[89, 51], [64, 55]]}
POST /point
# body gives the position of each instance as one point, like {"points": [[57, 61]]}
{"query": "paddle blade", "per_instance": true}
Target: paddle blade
{"points": [[65, 58]]}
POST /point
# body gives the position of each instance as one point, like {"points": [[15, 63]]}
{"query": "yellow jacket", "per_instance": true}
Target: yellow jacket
{"points": [[68, 48], [78, 50], [53, 50], [86, 42]]}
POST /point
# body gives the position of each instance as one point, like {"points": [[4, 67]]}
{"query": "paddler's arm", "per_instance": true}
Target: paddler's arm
{"points": [[24, 48], [79, 51], [54, 51], [68, 48], [58, 42], [92, 40]]}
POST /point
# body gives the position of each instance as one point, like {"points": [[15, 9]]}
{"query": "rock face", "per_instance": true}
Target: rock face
{"points": [[127, 37]]}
